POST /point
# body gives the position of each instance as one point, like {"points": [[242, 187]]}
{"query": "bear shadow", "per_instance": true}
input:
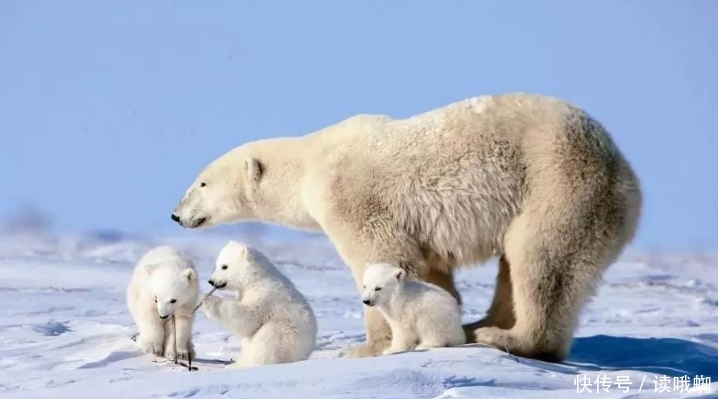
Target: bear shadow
{"points": [[663, 356]]}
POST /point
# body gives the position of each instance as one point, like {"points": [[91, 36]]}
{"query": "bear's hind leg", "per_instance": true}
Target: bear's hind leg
{"points": [[275, 342], [553, 273], [501, 311], [439, 327], [435, 339], [441, 273], [402, 341]]}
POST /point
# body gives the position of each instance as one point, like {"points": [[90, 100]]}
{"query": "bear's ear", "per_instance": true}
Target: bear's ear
{"points": [[151, 267], [399, 274], [189, 274], [244, 253], [255, 169]]}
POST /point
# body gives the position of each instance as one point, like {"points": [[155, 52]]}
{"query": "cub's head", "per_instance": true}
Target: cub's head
{"points": [[235, 266], [222, 193], [380, 280], [172, 288]]}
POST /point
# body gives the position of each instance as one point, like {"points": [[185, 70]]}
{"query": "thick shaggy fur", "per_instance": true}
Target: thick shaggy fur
{"points": [[272, 317], [530, 179], [164, 283], [421, 315]]}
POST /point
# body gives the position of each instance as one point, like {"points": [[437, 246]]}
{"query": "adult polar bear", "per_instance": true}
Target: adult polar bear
{"points": [[531, 179]]}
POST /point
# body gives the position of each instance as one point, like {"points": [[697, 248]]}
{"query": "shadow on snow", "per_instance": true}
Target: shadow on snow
{"points": [[665, 356]]}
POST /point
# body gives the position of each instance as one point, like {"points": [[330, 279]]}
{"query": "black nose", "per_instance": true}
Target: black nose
{"points": [[164, 317], [211, 282], [366, 302], [175, 218]]}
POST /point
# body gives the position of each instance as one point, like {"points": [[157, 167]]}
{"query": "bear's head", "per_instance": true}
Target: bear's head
{"points": [[222, 193], [236, 267], [172, 289], [380, 280]]}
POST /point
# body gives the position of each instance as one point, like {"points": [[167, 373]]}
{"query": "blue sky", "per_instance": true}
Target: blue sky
{"points": [[109, 109]]}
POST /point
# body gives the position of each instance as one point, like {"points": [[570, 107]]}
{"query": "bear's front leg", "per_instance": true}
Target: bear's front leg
{"points": [[210, 306], [241, 320], [151, 333], [185, 347]]}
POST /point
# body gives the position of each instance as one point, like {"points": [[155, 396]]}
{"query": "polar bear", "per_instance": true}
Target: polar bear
{"points": [[421, 315], [164, 283], [272, 317], [529, 179]]}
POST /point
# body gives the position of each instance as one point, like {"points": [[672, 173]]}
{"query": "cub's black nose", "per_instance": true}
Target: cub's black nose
{"points": [[175, 218], [211, 282], [366, 302]]}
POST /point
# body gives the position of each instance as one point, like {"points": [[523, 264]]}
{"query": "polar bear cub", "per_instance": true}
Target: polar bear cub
{"points": [[272, 317], [421, 315], [164, 283]]}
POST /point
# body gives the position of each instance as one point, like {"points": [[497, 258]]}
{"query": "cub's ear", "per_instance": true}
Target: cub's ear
{"points": [[242, 249], [255, 169], [151, 267], [245, 253], [189, 274], [400, 274]]}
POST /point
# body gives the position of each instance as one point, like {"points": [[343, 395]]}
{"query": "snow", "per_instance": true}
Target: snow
{"points": [[65, 331]]}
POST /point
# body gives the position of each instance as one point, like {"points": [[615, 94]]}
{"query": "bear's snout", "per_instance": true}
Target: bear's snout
{"points": [[175, 218], [368, 302], [217, 284]]}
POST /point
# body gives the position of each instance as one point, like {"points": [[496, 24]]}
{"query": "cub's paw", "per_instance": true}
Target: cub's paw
{"points": [[390, 351], [430, 345], [360, 351], [186, 353], [151, 347], [209, 305], [239, 365]]}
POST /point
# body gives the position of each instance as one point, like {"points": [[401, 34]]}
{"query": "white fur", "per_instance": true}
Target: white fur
{"points": [[162, 275], [421, 315], [272, 317]]}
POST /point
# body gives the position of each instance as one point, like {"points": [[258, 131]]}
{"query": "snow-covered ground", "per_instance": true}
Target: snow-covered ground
{"points": [[65, 331]]}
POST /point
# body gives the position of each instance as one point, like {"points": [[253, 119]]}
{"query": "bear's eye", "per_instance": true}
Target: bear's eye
{"points": [[202, 184], [155, 299], [365, 287], [377, 288], [173, 301], [224, 267]]}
